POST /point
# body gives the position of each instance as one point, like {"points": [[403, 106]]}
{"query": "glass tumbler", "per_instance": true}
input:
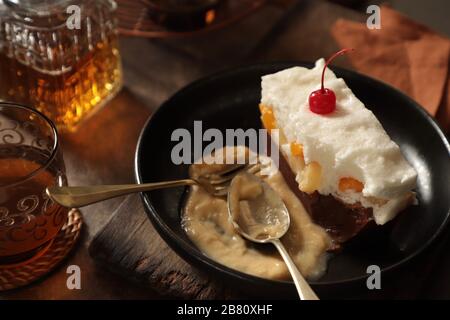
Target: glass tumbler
{"points": [[30, 161]]}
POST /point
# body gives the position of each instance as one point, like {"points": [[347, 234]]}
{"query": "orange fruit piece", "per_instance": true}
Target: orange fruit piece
{"points": [[267, 117], [296, 149], [350, 184]]}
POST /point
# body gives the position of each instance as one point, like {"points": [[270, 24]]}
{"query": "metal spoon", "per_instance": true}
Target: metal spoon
{"points": [[259, 215]]}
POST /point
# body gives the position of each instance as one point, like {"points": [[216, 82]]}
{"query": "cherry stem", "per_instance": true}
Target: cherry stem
{"points": [[340, 52]]}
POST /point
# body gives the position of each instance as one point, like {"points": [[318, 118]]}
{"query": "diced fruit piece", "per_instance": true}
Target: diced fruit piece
{"points": [[267, 117], [311, 176], [350, 184], [263, 108], [296, 149]]}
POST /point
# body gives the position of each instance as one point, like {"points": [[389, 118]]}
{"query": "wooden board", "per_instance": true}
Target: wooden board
{"points": [[130, 246]]}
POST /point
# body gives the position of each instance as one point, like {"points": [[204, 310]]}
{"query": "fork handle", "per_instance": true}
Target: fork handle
{"points": [[76, 197]]}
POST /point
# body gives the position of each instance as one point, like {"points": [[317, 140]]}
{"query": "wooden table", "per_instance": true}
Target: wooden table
{"points": [[102, 151]]}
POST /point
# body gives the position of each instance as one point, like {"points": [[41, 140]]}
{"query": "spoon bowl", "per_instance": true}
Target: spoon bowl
{"points": [[256, 210], [259, 214]]}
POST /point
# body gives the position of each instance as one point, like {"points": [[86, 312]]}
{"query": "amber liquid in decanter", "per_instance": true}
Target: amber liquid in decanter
{"points": [[64, 73]]}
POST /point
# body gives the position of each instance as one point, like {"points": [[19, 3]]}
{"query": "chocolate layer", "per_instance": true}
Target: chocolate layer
{"points": [[341, 221]]}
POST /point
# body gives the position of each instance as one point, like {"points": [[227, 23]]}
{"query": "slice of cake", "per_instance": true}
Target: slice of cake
{"points": [[347, 168]]}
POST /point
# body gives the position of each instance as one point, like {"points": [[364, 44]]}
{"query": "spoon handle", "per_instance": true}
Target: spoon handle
{"points": [[76, 197], [304, 290]]}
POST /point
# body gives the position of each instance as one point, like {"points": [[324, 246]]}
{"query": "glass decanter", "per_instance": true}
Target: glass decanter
{"points": [[60, 57]]}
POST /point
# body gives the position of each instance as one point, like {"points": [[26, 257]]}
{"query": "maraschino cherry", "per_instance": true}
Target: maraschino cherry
{"points": [[323, 101]]}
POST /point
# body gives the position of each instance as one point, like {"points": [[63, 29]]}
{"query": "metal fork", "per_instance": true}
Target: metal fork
{"points": [[215, 184]]}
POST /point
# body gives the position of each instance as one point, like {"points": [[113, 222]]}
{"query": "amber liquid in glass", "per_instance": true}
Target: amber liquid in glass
{"points": [[29, 220], [68, 96]]}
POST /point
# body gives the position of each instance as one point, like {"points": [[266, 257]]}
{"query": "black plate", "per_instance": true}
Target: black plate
{"points": [[230, 100]]}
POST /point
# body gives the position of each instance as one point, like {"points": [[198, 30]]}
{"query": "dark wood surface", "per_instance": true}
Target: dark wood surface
{"points": [[129, 260], [132, 248]]}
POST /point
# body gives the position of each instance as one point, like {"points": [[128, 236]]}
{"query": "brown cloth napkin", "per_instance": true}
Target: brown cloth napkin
{"points": [[405, 54]]}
